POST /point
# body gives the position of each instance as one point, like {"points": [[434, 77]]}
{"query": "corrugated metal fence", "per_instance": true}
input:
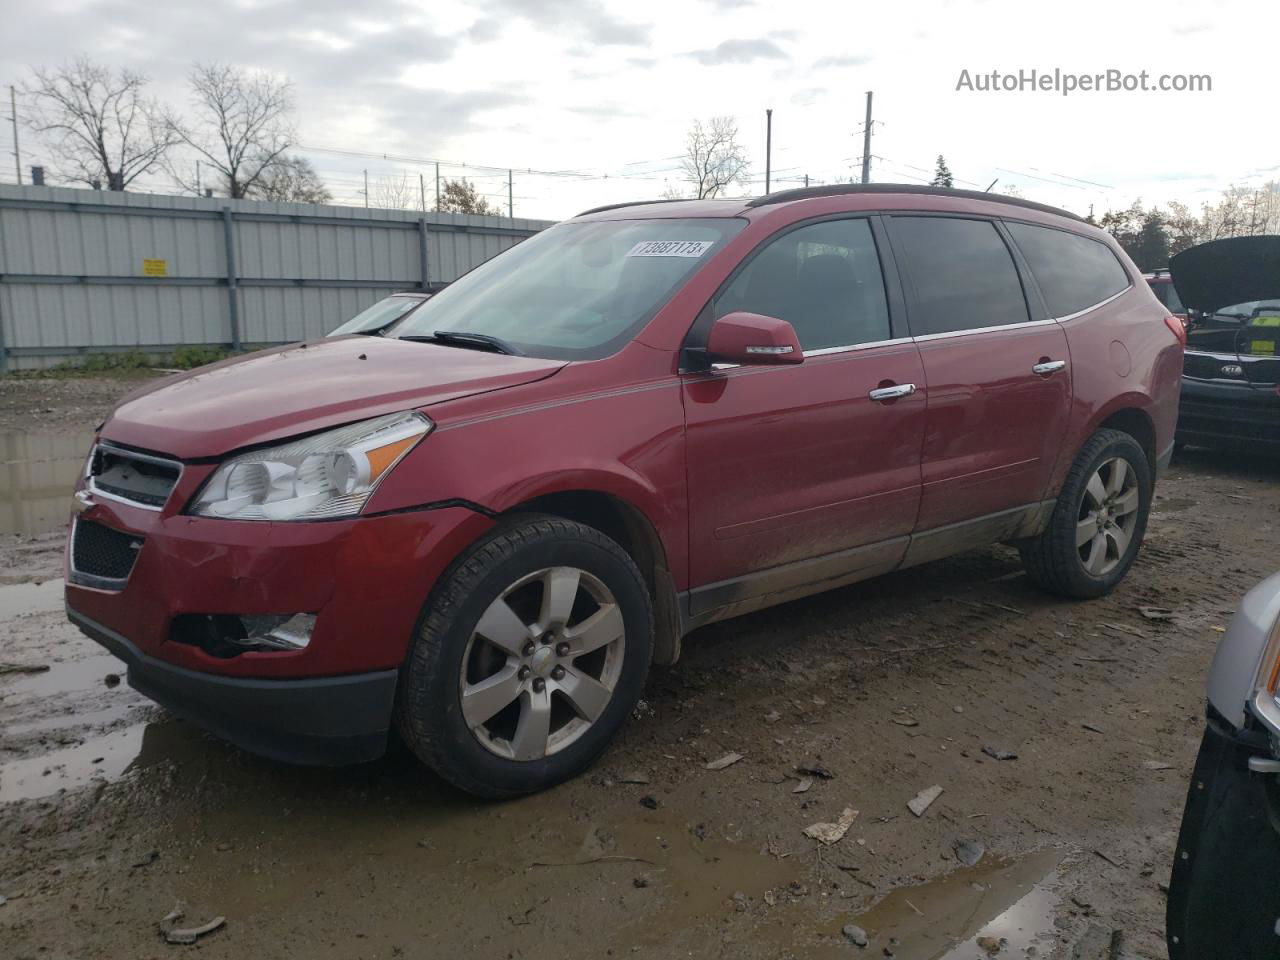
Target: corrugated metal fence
{"points": [[85, 271]]}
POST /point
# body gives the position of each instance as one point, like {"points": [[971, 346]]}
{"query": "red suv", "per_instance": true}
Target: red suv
{"points": [[483, 526]]}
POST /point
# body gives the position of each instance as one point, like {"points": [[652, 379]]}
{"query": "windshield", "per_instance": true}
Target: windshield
{"points": [[381, 314], [577, 291], [1251, 309]]}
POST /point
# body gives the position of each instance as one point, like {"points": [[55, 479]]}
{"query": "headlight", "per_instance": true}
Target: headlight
{"points": [[327, 475]]}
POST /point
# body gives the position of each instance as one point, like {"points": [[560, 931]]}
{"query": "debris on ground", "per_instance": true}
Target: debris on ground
{"points": [[1093, 728], [803, 786], [1159, 614], [640, 882], [855, 935], [818, 772], [995, 753], [905, 721], [1111, 858], [649, 802], [773, 716], [189, 935], [969, 852], [1156, 765], [830, 833], [148, 858], [728, 760], [991, 945], [633, 777], [112, 680], [8, 668], [922, 800]]}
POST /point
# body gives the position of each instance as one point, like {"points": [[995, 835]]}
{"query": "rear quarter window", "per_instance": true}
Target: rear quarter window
{"points": [[1073, 272]]}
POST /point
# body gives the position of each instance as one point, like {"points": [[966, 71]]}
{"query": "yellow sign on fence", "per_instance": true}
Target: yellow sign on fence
{"points": [[155, 268]]}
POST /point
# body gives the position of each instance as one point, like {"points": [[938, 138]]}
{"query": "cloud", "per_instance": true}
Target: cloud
{"points": [[739, 51], [587, 19], [484, 30], [848, 60]]}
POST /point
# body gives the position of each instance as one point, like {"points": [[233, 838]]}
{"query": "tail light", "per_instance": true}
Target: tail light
{"points": [[1178, 328]]}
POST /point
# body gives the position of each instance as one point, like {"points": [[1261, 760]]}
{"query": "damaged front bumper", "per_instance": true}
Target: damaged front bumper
{"points": [[326, 721]]}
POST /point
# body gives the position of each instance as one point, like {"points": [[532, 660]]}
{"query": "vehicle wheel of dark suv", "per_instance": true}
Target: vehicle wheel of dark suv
{"points": [[532, 653], [1098, 523]]}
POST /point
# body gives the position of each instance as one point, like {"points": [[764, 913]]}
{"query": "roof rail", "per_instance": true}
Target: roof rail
{"points": [[629, 203], [806, 193]]}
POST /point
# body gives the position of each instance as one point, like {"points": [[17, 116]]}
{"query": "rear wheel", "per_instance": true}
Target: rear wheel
{"points": [[1098, 522], [533, 652]]}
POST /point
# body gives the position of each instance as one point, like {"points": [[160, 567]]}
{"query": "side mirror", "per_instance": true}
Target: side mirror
{"points": [[752, 338]]}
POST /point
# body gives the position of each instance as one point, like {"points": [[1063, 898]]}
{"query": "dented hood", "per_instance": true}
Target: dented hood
{"points": [[1214, 275], [280, 393]]}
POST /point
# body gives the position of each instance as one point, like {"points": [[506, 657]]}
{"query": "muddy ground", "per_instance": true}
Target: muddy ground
{"points": [[112, 812]]}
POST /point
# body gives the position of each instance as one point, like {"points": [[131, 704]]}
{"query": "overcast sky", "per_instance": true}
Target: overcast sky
{"points": [[606, 90]]}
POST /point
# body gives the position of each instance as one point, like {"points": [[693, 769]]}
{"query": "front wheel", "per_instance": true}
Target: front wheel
{"points": [[533, 651], [1098, 522]]}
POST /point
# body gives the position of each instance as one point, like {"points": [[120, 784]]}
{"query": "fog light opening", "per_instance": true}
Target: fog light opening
{"points": [[227, 635]]}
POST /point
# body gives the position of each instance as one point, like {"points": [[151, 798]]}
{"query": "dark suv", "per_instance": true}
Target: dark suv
{"points": [[485, 525], [1231, 384]]}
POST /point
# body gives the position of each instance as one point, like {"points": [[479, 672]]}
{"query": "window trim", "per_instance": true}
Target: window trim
{"points": [[1035, 317], [895, 303], [1071, 233]]}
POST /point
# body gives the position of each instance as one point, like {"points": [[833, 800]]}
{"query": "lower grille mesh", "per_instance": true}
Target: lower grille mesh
{"points": [[99, 551]]}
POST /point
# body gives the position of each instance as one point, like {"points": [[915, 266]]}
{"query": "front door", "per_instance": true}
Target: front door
{"points": [[791, 468], [999, 379]]}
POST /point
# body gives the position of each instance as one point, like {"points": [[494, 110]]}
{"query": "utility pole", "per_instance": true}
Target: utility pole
{"points": [[437, 187], [13, 116], [366, 187], [768, 147], [806, 181], [422, 192], [199, 191], [511, 200], [866, 143]]}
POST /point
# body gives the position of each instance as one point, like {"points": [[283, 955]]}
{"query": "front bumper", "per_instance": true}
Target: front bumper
{"points": [[365, 579], [1224, 892], [324, 721], [1212, 413]]}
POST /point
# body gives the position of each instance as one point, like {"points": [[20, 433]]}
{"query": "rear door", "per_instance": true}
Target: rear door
{"points": [[998, 372], [791, 463]]}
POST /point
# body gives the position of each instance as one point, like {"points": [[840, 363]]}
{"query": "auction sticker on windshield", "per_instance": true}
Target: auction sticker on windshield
{"points": [[670, 248]]}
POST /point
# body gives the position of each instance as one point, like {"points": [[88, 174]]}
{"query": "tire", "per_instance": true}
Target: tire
{"points": [[1059, 559], [558, 722]]}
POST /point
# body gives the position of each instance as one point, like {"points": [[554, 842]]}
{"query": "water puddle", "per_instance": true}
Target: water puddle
{"points": [[37, 474], [1004, 904], [22, 599]]}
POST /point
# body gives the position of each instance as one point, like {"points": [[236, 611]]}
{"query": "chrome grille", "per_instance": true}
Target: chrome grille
{"points": [[137, 478]]}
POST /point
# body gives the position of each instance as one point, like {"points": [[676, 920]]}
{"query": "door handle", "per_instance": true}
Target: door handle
{"points": [[1050, 366], [892, 393]]}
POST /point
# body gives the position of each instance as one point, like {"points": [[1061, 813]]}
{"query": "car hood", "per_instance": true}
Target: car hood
{"points": [[287, 391], [1214, 275]]}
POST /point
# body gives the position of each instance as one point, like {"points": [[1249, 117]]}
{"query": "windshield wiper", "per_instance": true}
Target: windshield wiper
{"points": [[476, 341]]}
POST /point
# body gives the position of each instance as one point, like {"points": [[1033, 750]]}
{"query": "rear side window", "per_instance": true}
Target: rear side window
{"points": [[962, 275], [1074, 272], [824, 279]]}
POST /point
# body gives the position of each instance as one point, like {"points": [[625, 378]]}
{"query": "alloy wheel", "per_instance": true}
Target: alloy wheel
{"points": [[542, 663], [1107, 518]]}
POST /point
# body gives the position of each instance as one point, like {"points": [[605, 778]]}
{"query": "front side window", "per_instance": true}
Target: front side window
{"points": [[962, 275], [576, 291], [1073, 272], [824, 279]]}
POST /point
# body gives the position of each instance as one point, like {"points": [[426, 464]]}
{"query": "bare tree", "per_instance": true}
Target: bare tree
{"points": [[394, 192], [243, 124], [99, 125], [291, 179], [460, 196], [713, 159]]}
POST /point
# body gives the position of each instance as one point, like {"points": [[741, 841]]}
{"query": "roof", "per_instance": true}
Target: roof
{"points": [[726, 207]]}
